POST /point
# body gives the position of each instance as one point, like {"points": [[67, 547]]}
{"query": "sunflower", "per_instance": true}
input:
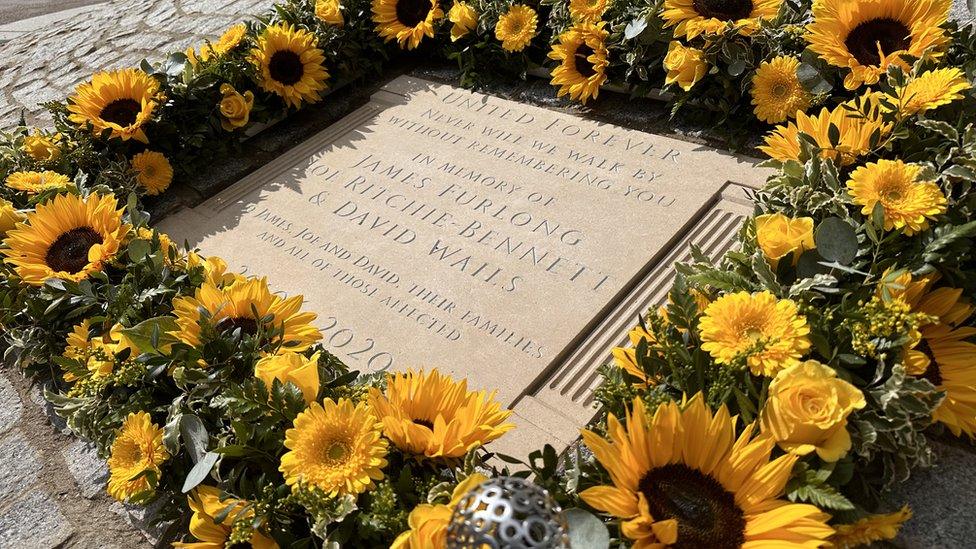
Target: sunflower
{"points": [[776, 90], [770, 333], [626, 357], [432, 415], [335, 447], [931, 90], [406, 21], [206, 504], [587, 11], [38, 182], [121, 101], [41, 147], [290, 64], [136, 455], [870, 529], [582, 55], [233, 307], [682, 479], [908, 203], [153, 172], [693, 17], [516, 27], [855, 130], [868, 37], [465, 19], [227, 42], [68, 237], [429, 522]]}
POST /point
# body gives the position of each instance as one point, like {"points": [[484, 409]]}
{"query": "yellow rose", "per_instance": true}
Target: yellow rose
{"points": [[328, 11], [9, 216], [428, 523], [291, 367], [464, 18], [235, 108], [685, 66], [807, 410], [779, 235], [42, 148]]}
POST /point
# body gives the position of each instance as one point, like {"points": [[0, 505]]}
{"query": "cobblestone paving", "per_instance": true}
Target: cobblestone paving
{"points": [[49, 63]]}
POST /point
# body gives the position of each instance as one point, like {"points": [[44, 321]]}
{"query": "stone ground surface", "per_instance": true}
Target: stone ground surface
{"points": [[51, 484], [15, 10]]}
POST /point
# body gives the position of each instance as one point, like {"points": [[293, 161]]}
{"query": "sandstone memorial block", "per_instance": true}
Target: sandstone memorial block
{"points": [[498, 241]]}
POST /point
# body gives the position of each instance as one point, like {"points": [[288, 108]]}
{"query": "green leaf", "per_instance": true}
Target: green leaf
{"points": [[635, 28], [200, 471], [138, 250], [836, 240], [194, 435], [737, 67], [153, 334], [586, 529]]}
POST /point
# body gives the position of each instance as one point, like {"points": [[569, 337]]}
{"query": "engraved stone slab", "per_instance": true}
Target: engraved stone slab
{"points": [[440, 227]]}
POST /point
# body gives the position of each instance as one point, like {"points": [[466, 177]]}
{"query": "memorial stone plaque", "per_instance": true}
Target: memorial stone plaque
{"points": [[437, 227]]}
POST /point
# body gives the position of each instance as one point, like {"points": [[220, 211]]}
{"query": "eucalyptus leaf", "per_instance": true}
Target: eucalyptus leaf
{"points": [[194, 435], [200, 471], [586, 529], [635, 28], [836, 240]]}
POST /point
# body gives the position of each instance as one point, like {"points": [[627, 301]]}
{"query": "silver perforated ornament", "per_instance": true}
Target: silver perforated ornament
{"points": [[507, 513]]}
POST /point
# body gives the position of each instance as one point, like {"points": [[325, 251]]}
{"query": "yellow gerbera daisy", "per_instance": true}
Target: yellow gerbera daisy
{"points": [[870, 529], [908, 203], [41, 147], [769, 332], [231, 38], [206, 505], [694, 17], [233, 308], [931, 90], [856, 128], [582, 55], [868, 37], [406, 21], [587, 11], [776, 90], [335, 447], [432, 415], [516, 27], [428, 523], [137, 453], [38, 182], [465, 19], [68, 237], [121, 101], [290, 64], [681, 478], [153, 171]]}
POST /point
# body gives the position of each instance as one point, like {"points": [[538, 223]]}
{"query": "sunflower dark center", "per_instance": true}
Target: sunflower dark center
{"points": [[706, 512], [412, 12], [69, 253], [123, 112], [246, 324], [726, 10], [863, 41], [239, 545], [286, 67], [932, 372], [583, 65]]}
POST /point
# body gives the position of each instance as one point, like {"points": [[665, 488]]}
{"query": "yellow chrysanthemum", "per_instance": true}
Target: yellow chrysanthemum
{"points": [[582, 55], [233, 307], [335, 447], [870, 529], [206, 504], [432, 415], [428, 523], [465, 19], [291, 368], [681, 478], [908, 203], [137, 453], [290, 64], [406, 21], [38, 182], [329, 11], [931, 90], [96, 352], [694, 17], [120, 101], [154, 173], [770, 333], [9, 217], [868, 37], [516, 27], [68, 237], [588, 11], [855, 130], [166, 243], [41, 147], [776, 90]]}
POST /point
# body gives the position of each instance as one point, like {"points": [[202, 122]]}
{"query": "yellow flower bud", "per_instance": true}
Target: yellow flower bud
{"points": [[42, 148], [235, 108], [294, 368], [464, 18], [685, 65], [328, 11], [9, 216], [779, 235], [807, 411]]}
